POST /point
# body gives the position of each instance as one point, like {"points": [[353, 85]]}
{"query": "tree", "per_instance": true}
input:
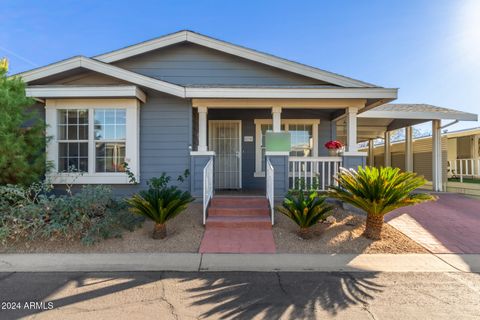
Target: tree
{"points": [[22, 133], [378, 192]]}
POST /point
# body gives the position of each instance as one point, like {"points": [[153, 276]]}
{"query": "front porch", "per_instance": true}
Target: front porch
{"points": [[232, 135]]}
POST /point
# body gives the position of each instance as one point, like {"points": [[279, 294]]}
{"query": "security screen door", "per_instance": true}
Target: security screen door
{"points": [[224, 137]]}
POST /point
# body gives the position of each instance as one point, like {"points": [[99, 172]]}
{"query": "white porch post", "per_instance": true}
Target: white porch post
{"points": [[386, 150], [277, 118], [202, 129], [352, 129], [408, 149], [371, 155], [436, 156]]}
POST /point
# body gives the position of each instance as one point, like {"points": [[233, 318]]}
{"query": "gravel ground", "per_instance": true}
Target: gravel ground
{"points": [[344, 236], [186, 231], [184, 234]]}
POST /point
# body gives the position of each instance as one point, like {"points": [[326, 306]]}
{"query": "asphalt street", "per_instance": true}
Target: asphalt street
{"points": [[239, 295]]}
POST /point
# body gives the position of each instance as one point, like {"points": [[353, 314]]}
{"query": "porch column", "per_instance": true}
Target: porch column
{"points": [[277, 119], [352, 129], [408, 149], [436, 156], [371, 155], [386, 150], [202, 129]]}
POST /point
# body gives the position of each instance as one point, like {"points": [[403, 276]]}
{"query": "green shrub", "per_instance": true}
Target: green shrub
{"points": [[378, 192], [30, 213], [160, 203], [305, 208]]}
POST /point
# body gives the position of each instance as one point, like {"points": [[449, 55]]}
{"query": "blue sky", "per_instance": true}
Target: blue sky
{"points": [[429, 49]]}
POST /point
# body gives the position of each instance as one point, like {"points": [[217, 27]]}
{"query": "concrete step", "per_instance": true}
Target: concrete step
{"points": [[239, 201], [238, 211], [255, 222]]}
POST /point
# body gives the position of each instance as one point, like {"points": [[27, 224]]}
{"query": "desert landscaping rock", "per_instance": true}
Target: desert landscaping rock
{"points": [[344, 236], [184, 234]]}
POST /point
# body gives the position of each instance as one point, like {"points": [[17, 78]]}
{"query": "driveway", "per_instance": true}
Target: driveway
{"points": [[449, 225], [239, 295]]}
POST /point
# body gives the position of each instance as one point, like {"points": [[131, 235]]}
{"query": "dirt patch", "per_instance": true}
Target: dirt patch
{"points": [[184, 235], [344, 236]]}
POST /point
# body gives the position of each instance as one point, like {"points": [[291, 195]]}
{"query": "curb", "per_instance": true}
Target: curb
{"points": [[193, 262]]}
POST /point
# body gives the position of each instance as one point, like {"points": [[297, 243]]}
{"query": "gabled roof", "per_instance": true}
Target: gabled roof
{"points": [[246, 53], [104, 68]]}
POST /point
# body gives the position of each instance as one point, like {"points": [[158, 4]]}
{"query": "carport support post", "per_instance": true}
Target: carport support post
{"points": [[371, 155], [386, 150], [408, 149], [436, 156]]}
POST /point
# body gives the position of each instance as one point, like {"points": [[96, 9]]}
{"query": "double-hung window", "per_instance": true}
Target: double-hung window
{"points": [[110, 137], [72, 140], [92, 140]]}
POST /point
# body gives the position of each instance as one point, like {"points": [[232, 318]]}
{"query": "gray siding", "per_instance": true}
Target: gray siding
{"points": [[165, 138], [248, 129], [187, 64], [90, 78]]}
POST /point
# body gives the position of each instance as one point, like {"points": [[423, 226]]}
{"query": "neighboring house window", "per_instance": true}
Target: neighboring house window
{"points": [[93, 139], [304, 139]]}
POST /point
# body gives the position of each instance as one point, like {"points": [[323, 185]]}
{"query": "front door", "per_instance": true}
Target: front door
{"points": [[224, 137]]}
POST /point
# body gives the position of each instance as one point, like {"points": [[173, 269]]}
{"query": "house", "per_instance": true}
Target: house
{"points": [[188, 101], [460, 158]]}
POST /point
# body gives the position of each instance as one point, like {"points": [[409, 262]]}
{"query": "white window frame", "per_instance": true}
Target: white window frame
{"points": [[132, 142], [286, 122]]}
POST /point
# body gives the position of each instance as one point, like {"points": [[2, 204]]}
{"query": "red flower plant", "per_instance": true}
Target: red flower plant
{"points": [[334, 144]]}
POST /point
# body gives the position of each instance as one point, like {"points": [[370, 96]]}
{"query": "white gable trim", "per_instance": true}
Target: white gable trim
{"points": [[85, 91], [267, 59], [323, 93], [100, 67]]}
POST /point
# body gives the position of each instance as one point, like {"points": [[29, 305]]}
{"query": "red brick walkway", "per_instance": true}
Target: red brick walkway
{"points": [[449, 225], [238, 225]]}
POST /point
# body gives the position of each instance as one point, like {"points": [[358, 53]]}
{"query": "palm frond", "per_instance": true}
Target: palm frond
{"points": [[379, 190]]}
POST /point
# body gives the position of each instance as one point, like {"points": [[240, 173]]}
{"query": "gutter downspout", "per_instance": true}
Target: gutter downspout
{"points": [[450, 124]]}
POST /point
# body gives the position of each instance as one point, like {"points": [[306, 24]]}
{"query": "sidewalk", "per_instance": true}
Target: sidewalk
{"points": [[239, 262]]}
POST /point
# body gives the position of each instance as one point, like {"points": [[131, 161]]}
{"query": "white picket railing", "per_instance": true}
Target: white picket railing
{"points": [[461, 168], [313, 172], [270, 187], [207, 187]]}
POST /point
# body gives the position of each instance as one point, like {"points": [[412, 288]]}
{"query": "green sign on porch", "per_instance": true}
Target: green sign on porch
{"points": [[277, 141]]}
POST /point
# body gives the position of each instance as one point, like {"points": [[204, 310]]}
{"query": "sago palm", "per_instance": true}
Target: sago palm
{"points": [[378, 192], [305, 210], [160, 205]]}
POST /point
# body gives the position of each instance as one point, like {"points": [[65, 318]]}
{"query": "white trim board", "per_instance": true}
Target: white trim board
{"points": [[56, 91], [312, 93], [100, 67], [463, 116], [253, 55]]}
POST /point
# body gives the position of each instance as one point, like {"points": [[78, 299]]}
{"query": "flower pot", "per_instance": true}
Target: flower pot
{"points": [[333, 152]]}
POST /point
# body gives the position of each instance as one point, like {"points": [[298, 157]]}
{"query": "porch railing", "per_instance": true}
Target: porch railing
{"points": [[270, 188], [313, 172], [207, 187], [461, 168]]}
